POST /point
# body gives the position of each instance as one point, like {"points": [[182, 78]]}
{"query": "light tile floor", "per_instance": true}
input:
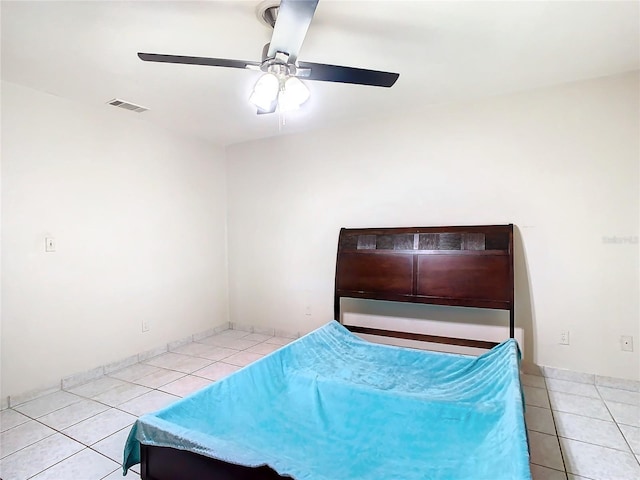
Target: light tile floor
{"points": [[79, 433], [577, 431], [580, 431]]}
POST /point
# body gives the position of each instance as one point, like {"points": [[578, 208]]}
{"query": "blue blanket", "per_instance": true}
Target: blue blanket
{"points": [[331, 406]]}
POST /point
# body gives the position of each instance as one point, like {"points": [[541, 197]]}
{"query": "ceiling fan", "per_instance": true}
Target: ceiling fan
{"points": [[280, 86]]}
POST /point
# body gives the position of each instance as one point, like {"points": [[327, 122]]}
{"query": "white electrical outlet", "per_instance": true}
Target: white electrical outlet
{"points": [[145, 325], [626, 343], [564, 337], [49, 244]]}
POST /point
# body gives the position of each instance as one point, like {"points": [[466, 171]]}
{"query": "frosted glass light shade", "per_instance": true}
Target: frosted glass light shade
{"points": [[265, 92], [294, 94]]}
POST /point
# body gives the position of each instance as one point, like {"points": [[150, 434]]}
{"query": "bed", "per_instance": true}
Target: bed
{"points": [[331, 405]]}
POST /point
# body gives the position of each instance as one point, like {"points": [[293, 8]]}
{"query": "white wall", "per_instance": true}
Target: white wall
{"points": [[139, 216], [561, 163]]}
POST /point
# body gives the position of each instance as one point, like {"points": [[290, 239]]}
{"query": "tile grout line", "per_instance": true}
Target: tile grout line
{"points": [[613, 421], [550, 468], [85, 446], [570, 413], [116, 407], [594, 383], [618, 427], [44, 438], [555, 428], [192, 374], [58, 386]]}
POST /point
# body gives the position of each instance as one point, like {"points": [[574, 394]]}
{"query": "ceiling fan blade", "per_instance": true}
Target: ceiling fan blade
{"points": [[359, 76], [294, 18], [213, 62]]}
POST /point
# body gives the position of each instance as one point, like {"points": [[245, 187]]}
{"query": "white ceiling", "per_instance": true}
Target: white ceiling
{"points": [[445, 51]]}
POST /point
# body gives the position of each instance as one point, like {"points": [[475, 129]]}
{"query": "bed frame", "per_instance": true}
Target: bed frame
{"points": [[461, 266]]}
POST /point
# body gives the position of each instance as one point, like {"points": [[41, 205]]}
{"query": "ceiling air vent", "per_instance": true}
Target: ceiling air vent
{"points": [[127, 105]]}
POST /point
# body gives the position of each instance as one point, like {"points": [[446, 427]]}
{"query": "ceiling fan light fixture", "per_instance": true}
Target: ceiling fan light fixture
{"points": [[265, 91], [294, 94]]}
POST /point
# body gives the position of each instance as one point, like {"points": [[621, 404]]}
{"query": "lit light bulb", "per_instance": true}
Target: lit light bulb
{"points": [[265, 92], [293, 94]]}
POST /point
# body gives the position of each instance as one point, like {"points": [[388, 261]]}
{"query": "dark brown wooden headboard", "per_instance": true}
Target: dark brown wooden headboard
{"points": [[462, 266]]}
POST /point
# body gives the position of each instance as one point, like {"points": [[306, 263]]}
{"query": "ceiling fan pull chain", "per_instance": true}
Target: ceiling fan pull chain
{"points": [[282, 120]]}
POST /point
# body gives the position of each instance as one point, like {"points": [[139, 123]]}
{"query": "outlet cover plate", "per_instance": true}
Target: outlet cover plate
{"points": [[49, 244], [626, 343]]}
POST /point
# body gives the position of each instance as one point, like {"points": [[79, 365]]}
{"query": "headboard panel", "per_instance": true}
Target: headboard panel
{"points": [[463, 266]]}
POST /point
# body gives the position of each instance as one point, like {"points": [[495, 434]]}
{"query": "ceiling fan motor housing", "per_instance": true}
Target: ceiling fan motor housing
{"points": [[267, 12]]}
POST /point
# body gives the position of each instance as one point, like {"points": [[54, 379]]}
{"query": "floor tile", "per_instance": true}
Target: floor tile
{"points": [[9, 418], [619, 395], [217, 371], [537, 397], [621, 383], [574, 388], [117, 475], [47, 404], [280, 340], [21, 436], [67, 416], [242, 359], [598, 463], [590, 430], [632, 435], [624, 413], [235, 343], [539, 419], [85, 465], [178, 362], [561, 374], [232, 334], [101, 426], [263, 348], [186, 385], [543, 473], [96, 387], [35, 458], [134, 372], [159, 378], [121, 394], [545, 451], [258, 337], [532, 380], [215, 354], [589, 407], [149, 402], [194, 349], [113, 445]]}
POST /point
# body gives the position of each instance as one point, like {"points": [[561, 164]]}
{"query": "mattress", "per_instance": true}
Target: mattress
{"points": [[333, 406]]}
